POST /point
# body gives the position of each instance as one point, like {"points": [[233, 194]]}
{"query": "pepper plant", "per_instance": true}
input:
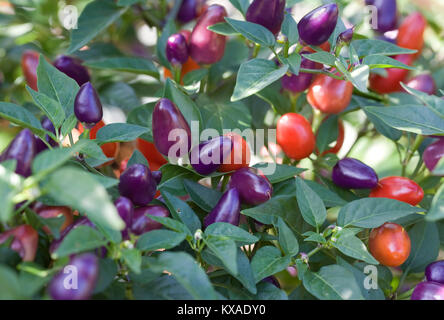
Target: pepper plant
{"points": [[180, 149]]}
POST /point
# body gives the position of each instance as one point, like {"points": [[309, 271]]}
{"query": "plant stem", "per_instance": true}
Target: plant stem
{"points": [[257, 48], [410, 152]]}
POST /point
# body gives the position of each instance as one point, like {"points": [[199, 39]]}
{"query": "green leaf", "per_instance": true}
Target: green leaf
{"points": [[20, 116], [143, 116], [367, 47], [127, 64], [195, 76], [227, 230], [78, 189], [159, 239], [49, 106], [268, 261], [241, 5], [352, 246], [382, 127], [314, 237], [373, 212], [120, 132], [281, 173], [424, 238], [137, 157], [434, 102], [107, 273], [294, 63], [290, 29], [268, 291], [133, 258], [332, 282], [94, 19], [358, 77], [122, 95], [272, 95], [80, 239], [161, 288], [380, 61], [226, 250], [253, 31], [223, 28], [11, 184], [311, 205], [287, 239], [321, 57], [254, 75], [187, 273], [327, 133], [205, 198], [180, 210], [9, 283], [172, 224], [411, 118], [436, 211], [173, 177]]}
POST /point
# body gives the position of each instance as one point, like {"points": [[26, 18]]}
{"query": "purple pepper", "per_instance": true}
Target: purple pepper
{"points": [[386, 13], [125, 209], [157, 175], [253, 189], [300, 82], [141, 221], [272, 280], [433, 153], [428, 290], [166, 118], [22, 149], [177, 49], [353, 174], [48, 126], [424, 83], [346, 36], [435, 272], [208, 156], [316, 26], [138, 184], [267, 13], [87, 106], [72, 68], [226, 210], [77, 280], [206, 46], [189, 10]]}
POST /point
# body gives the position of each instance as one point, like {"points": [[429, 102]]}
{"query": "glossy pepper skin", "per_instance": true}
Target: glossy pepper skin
{"points": [[428, 290], [30, 62], [138, 184], [346, 36], [240, 154], [48, 212], [272, 280], [151, 154], [435, 271], [294, 134], [86, 267], [48, 126], [302, 81], [208, 156], [398, 188], [329, 95], [390, 244], [25, 241], [316, 26], [177, 49], [125, 209], [157, 175], [391, 83], [387, 14], [141, 221], [166, 118], [424, 83], [22, 149], [267, 13], [87, 106], [433, 153], [189, 10], [411, 32], [253, 189], [207, 47], [353, 174], [73, 68], [226, 210]]}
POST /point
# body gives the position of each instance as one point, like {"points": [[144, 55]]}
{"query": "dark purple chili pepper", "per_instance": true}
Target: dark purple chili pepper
{"points": [[208, 156], [73, 68], [386, 13], [267, 13], [300, 82], [125, 209], [48, 126], [157, 175], [177, 49], [272, 280], [424, 83], [22, 149], [433, 153], [226, 210], [141, 221], [428, 290], [138, 184], [167, 119], [77, 280], [253, 188], [206, 46], [316, 26], [87, 106], [189, 9], [354, 174], [345, 36], [435, 272]]}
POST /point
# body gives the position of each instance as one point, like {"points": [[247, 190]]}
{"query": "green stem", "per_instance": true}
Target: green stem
{"points": [[177, 73], [286, 48], [370, 95], [406, 295], [257, 48], [312, 252], [410, 152]]}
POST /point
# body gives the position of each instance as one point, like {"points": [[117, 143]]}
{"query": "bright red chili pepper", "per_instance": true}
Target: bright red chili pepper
{"points": [[398, 188], [391, 83], [295, 136], [152, 155], [25, 241], [240, 154], [30, 62], [411, 33]]}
